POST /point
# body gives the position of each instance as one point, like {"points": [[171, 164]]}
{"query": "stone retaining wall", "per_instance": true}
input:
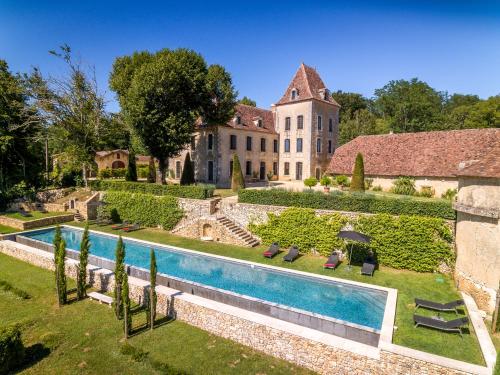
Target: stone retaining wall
{"points": [[273, 338], [24, 225]]}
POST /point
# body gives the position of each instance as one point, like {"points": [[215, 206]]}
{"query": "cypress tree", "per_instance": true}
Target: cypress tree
{"points": [[131, 174], [127, 321], [152, 170], [358, 175], [81, 290], [152, 290], [56, 242], [119, 273], [61, 273], [187, 177], [237, 181]]}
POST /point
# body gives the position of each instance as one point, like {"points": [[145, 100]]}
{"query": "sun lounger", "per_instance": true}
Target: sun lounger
{"points": [[449, 306], [131, 228], [272, 251], [121, 225], [103, 222], [293, 253], [368, 269], [332, 262], [454, 325]]}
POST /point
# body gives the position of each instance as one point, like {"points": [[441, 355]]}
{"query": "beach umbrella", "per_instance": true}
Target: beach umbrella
{"points": [[353, 236]]}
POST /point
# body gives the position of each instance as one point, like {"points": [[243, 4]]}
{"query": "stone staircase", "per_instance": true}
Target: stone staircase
{"points": [[79, 217], [237, 231]]}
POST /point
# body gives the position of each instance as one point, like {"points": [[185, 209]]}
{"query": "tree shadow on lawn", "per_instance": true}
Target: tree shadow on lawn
{"points": [[32, 355], [145, 327]]}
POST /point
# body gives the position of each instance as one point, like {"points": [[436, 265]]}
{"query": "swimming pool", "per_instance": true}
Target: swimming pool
{"points": [[354, 304]]}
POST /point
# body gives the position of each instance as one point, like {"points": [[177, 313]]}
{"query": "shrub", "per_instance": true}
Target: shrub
{"points": [[310, 182], [449, 194], [368, 183], [143, 171], [377, 188], [342, 180], [105, 173], [187, 177], [325, 181], [404, 186], [199, 191], [146, 209], [356, 202], [131, 173], [118, 172], [11, 348], [237, 180], [408, 242], [426, 192], [301, 227], [358, 175]]}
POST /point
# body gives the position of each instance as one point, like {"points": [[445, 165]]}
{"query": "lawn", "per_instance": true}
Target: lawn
{"points": [[4, 229], [34, 215], [223, 193], [85, 338], [409, 284]]}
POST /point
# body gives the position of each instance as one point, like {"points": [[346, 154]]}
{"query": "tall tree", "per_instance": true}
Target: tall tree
{"points": [[127, 316], [363, 122], [247, 101], [237, 180], [162, 96], [81, 286], [151, 170], [152, 289], [350, 103], [21, 134], [187, 177], [56, 245], [358, 174], [119, 274], [131, 174], [73, 108], [61, 273]]}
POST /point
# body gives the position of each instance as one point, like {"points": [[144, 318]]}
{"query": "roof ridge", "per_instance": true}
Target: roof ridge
{"points": [[308, 86]]}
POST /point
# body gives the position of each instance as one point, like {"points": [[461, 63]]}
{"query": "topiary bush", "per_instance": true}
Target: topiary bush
{"points": [[342, 180], [310, 182], [146, 209], [358, 175], [408, 242], [237, 180], [200, 191], [11, 349], [301, 227], [355, 202], [187, 177]]}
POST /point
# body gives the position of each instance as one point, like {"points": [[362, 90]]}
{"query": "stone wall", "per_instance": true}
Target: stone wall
{"points": [[24, 225], [50, 196], [273, 338], [198, 207]]}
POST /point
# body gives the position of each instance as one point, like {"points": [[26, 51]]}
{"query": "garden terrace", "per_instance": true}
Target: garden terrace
{"points": [[34, 219], [354, 202], [189, 191]]}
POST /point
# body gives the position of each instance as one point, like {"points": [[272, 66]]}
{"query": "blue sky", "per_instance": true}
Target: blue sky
{"points": [[356, 46]]}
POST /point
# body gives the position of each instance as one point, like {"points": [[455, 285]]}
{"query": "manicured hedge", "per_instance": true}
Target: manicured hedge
{"points": [[147, 209], [11, 349], [355, 202], [191, 191], [406, 242]]}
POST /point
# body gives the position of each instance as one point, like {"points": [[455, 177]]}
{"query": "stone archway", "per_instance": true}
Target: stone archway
{"points": [[118, 164], [207, 231]]}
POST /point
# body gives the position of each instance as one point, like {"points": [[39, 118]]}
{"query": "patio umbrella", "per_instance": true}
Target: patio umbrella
{"points": [[353, 236]]}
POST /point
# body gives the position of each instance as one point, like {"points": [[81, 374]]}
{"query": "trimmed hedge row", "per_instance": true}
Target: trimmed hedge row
{"points": [[406, 242], [191, 191], [11, 349], [355, 202], [147, 209]]}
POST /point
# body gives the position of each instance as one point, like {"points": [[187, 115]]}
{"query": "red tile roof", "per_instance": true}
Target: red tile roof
{"points": [[309, 85], [488, 166], [249, 117], [106, 153], [425, 154]]}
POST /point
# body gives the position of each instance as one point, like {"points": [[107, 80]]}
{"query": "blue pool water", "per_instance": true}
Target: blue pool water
{"points": [[364, 306]]}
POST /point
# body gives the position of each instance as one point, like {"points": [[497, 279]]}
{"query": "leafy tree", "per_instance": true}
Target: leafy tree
{"points": [[163, 94], [362, 122], [81, 288], [21, 135], [131, 174], [483, 114], [410, 106], [187, 177], [350, 103], [310, 182], [325, 181], [152, 290], [127, 321], [247, 101], [457, 100], [151, 170], [119, 275], [358, 175], [237, 180]]}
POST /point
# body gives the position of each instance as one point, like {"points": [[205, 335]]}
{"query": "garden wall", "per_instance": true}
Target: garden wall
{"points": [[322, 353], [23, 225]]}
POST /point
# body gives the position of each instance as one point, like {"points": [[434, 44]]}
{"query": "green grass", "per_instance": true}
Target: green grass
{"points": [[223, 193], [34, 215], [4, 229], [85, 338], [409, 284]]}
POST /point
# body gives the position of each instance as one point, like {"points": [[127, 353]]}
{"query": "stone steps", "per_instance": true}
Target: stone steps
{"points": [[79, 217], [240, 233]]}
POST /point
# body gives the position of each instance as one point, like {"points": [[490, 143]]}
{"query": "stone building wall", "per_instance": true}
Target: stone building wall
{"points": [[248, 329]]}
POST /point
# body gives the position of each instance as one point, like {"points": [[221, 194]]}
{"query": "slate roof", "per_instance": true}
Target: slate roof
{"points": [[309, 85], [424, 154]]}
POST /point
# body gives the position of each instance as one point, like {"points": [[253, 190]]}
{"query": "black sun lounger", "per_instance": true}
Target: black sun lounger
{"points": [[131, 228], [368, 269], [332, 262], [454, 325], [293, 253], [449, 306], [120, 226], [272, 251]]}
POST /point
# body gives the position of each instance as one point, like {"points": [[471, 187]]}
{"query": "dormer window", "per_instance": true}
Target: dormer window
{"points": [[259, 123], [324, 93], [295, 94], [237, 120]]}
